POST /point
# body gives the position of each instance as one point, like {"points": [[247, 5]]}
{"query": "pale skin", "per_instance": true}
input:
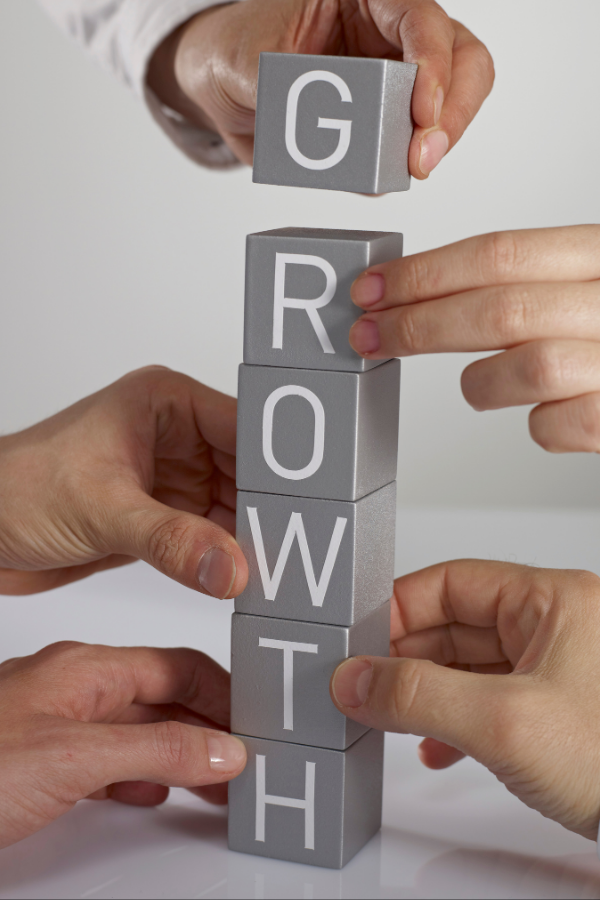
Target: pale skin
{"points": [[81, 721], [208, 69], [156, 449], [535, 295], [143, 469], [499, 662]]}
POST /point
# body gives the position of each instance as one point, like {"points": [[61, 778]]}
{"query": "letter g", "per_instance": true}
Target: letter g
{"points": [[342, 125]]}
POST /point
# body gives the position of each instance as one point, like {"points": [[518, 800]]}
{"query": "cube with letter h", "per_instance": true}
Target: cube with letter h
{"points": [[316, 467], [334, 122]]}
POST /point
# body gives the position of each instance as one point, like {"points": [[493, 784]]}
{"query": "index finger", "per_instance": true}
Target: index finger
{"points": [[111, 679], [570, 253], [469, 591], [455, 74]]}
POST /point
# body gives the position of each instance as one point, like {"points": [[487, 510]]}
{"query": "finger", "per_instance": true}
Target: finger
{"points": [[436, 755], [225, 462], [537, 372], [472, 78], [424, 34], [165, 753], [224, 518], [133, 793], [217, 794], [508, 257], [491, 318], [418, 697], [16, 583], [477, 593], [453, 643], [114, 680], [189, 549], [568, 426]]}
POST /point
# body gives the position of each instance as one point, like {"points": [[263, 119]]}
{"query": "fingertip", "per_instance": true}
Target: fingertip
{"points": [[364, 337], [437, 755], [368, 289], [222, 571], [138, 793], [433, 147]]}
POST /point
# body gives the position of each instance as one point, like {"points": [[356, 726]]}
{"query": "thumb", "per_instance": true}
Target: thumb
{"points": [[478, 715], [189, 549]]}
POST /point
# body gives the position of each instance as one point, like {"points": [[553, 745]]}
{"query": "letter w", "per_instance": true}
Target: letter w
{"points": [[295, 528]]}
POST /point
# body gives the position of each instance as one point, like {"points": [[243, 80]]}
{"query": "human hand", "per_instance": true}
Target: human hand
{"points": [[143, 469], [536, 724], [82, 721], [534, 294], [208, 69]]}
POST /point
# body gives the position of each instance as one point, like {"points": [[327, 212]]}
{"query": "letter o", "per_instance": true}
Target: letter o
{"points": [[290, 390]]}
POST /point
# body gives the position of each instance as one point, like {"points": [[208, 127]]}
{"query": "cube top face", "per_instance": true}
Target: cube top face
{"points": [[281, 672], [326, 561], [335, 123], [329, 435], [333, 801], [298, 310]]}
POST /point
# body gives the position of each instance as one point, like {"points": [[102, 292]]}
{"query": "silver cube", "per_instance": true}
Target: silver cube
{"points": [[280, 674], [329, 561], [330, 435], [305, 804], [333, 122], [298, 309]]}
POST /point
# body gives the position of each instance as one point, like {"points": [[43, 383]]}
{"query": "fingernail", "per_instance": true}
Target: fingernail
{"points": [[226, 753], [368, 289], [364, 337], [216, 572], [434, 147], [351, 682], [438, 102]]}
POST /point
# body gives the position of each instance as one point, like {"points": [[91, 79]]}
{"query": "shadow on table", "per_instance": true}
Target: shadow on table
{"points": [[105, 842], [105, 850], [472, 873]]}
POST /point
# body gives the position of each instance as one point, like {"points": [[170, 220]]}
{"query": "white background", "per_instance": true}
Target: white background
{"points": [[116, 251]]}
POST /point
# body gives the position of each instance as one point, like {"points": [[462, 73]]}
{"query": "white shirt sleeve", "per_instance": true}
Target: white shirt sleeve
{"points": [[122, 35]]}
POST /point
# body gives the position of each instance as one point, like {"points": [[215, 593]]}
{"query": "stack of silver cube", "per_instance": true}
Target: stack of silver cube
{"points": [[317, 456]]}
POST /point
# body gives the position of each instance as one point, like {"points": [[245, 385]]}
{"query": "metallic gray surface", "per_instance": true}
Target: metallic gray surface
{"points": [[349, 252], [348, 795], [257, 677], [361, 431], [377, 157], [363, 572]]}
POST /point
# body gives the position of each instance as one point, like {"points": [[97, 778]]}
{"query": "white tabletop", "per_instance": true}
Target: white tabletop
{"points": [[456, 833]]}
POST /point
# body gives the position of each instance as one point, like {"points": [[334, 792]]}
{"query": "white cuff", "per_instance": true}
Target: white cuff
{"points": [[149, 23]]}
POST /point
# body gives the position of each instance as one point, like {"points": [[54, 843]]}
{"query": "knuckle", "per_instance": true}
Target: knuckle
{"points": [[544, 369], [418, 276], [406, 687], [169, 542], [64, 651], [174, 748], [409, 331], [541, 430], [482, 62], [513, 720], [499, 254], [509, 313]]}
